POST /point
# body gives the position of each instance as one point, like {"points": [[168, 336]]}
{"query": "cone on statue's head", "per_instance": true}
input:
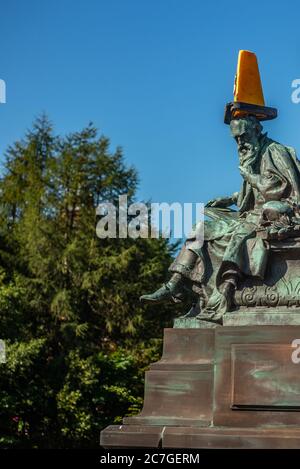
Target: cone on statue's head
{"points": [[248, 95]]}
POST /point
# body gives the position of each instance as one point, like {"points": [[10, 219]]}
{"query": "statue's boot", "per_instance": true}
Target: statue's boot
{"points": [[220, 303], [171, 291]]}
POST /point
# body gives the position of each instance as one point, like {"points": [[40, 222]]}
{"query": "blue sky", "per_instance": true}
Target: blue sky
{"points": [[154, 76]]}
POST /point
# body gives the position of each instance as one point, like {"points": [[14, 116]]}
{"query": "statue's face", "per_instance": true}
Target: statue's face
{"points": [[246, 134]]}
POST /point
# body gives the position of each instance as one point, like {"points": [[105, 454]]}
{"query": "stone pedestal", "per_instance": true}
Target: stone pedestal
{"points": [[232, 386]]}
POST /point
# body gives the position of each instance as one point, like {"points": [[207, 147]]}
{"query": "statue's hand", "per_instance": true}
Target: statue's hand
{"points": [[249, 177], [244, 173], [220, 202]]}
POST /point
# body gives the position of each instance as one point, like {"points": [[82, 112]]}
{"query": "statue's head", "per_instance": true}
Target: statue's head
{"points": [[247, 132]]}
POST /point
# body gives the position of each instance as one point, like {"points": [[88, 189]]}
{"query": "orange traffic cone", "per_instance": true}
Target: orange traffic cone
{"points": [[248, 93]]}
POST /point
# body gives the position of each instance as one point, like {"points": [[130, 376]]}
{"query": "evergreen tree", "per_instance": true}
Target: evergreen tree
{"points": [[78, 340]]}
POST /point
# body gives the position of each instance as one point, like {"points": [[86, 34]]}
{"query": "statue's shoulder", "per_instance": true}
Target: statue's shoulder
{"points": [[275, 147], [271, 144]]}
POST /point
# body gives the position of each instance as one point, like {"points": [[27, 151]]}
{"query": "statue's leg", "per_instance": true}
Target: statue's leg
{"points": [[221, 300], [175, 289], [218, 304], [229, 274], [184, 263]]}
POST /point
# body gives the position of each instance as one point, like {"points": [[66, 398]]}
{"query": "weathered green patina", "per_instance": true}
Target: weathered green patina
{"points": [[235, 385], [236, 245]]}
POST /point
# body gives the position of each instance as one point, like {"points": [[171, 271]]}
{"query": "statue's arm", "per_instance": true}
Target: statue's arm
{"points": [[234, 198], [271, 184], [223, 202]]}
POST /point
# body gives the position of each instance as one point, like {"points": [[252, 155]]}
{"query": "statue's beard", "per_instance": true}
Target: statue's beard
{"points": [[248, 153]]}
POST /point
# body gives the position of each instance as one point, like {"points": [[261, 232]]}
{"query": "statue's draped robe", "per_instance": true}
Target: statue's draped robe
{"points": [[230, 243]]}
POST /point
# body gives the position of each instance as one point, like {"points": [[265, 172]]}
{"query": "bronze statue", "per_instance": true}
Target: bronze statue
{"points": [[235, 385], [235, 245]]}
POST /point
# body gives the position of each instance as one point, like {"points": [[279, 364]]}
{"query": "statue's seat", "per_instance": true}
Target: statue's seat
{"points": [[281, 286]]}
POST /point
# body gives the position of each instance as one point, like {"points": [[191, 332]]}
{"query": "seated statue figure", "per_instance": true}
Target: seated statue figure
{"points": [[236, 247], [232, 250]]}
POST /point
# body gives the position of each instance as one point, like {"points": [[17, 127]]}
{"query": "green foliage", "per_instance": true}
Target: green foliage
{"points": [[78, 340]]}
